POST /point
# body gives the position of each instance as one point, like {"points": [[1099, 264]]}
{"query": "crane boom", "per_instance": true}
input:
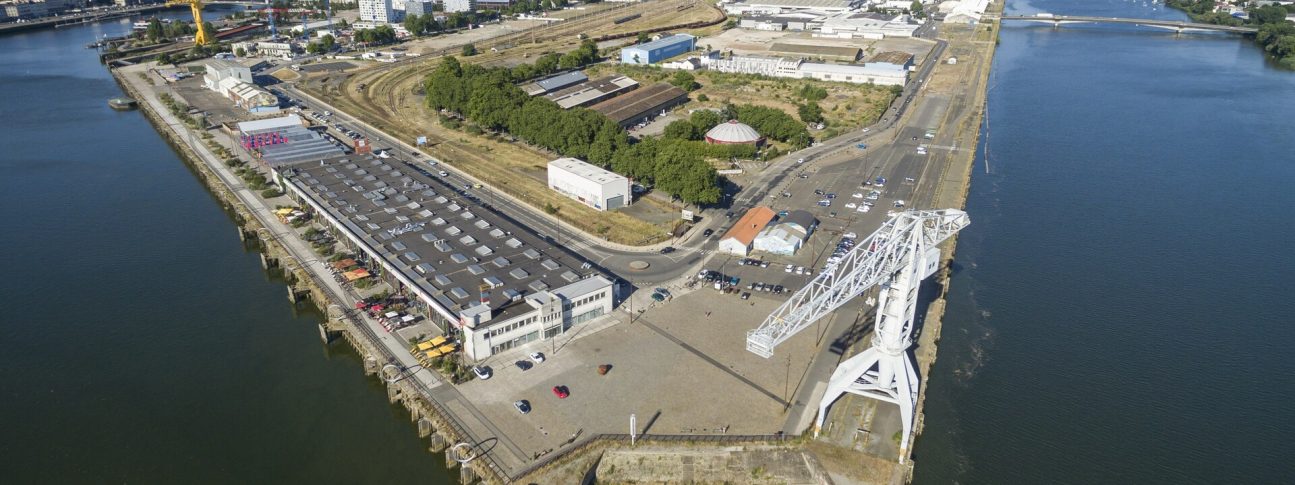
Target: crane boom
{"points": [[874, 260]]}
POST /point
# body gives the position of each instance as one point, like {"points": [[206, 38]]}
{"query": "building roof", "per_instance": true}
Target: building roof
{"points": [[590, 92], [223, 65], [665, 41], [635, 103], [269, 124], [800, 218], [879, 69], [733, 131], [751, 223], [436, 236], [587, 171], [850, 53], [893, 57], [832, 4], [301, 144], [554, 82]]}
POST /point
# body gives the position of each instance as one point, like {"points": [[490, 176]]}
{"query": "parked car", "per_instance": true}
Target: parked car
{"points": [[482, 373], [537, 357], [561, 392], [746, 295], [522, 406], [707, 233], [522, 365], [667, 250]]}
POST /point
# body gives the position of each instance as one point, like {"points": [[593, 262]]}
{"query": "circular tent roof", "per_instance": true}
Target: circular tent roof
{"points": [[732, 132]]}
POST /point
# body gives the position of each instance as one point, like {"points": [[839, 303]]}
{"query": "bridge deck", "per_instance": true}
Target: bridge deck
{"points": [[1058, 19]]}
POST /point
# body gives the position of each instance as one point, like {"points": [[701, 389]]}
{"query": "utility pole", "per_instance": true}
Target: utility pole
{"points": [[633, 429]]}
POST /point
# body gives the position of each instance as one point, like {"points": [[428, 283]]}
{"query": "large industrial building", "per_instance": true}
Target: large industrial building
{"points": [[642, 105], [903, 60], [867, 25], [773, 7], [740, 238], [591, 185], [475, 274], [589, 92], [881, 73], [658, 50], [963, 11], [284, 140], [554, 83], [234, 81], [787, 236], [828, 52]]}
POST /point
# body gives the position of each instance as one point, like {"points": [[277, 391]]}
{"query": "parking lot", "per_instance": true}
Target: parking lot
{"points": [[681, 367]]}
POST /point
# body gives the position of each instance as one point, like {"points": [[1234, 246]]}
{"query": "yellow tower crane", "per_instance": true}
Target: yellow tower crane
{"points": [[199, 38]]}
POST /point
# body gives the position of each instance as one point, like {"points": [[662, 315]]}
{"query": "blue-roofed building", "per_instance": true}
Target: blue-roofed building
{"points": [[658, 50]]}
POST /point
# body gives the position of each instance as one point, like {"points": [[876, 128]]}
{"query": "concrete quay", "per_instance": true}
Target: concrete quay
{"points": [[440, 412]]}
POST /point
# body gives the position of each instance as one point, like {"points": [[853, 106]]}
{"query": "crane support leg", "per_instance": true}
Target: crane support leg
{"points": [[886, 371]]}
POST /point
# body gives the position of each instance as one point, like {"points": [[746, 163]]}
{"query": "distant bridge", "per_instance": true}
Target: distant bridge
{"points": [[1174, 25]]}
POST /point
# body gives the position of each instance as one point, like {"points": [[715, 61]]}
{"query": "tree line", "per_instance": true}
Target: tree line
{"points": [[1276, 34], [490, 98]]}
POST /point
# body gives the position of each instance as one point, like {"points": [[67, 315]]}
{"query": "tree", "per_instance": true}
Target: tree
{"points": [[643, 37], [810, 112], [240, 52], [154, 31], [916, 9], [681, 130], [469, 50], [327, 42], [685, 81]]}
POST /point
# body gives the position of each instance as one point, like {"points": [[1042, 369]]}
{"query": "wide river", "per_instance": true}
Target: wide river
{"points": [[1121, 310], [143, 344], [1118, 315]]}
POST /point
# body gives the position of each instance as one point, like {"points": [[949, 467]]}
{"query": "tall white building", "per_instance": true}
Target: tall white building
{"points": [[460, 6], [377, 11], [589, 184]]}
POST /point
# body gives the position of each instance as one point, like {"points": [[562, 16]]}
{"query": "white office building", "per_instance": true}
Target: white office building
{"points": [[220, 69], [377, 11], [589, 184], [490, 329]]}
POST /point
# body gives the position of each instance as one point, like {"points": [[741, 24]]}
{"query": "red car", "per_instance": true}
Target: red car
{"points": [[561, 392]]}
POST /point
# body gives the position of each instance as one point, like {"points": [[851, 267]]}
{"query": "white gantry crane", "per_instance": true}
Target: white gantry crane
{"points": [[898, 256]]}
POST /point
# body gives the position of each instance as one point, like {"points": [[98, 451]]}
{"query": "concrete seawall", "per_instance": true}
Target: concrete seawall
{"points": [[433, 421]]}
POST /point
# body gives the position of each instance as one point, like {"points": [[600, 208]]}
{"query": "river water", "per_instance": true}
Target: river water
{"points": [[1120, 311], [143, 344]]}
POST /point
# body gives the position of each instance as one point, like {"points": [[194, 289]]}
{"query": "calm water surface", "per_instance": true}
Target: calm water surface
{"points": [[1122, 312], [142, 344]]}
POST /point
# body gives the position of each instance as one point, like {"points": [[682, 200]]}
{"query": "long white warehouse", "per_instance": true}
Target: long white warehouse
{"points": [[589, 184]]}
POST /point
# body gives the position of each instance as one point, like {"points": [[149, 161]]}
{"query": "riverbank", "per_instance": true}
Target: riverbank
{"points": [[283, 250], [1276, 32]]}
